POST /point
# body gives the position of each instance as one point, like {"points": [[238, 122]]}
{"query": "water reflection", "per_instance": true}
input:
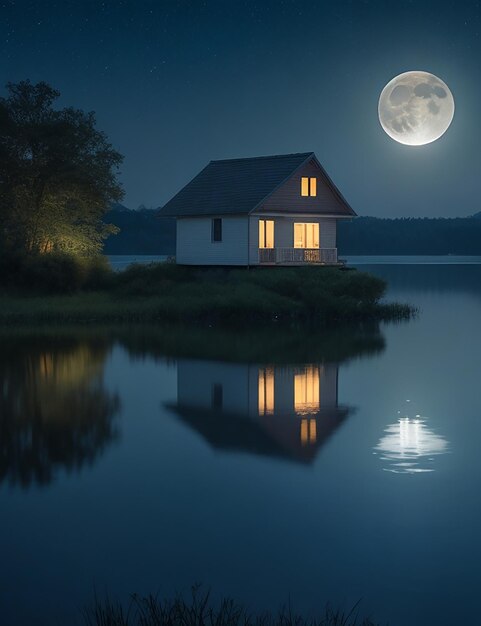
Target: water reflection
{"points": [[287, 411], [273, 345], [264, 392], [409, 446], [57, 415], [54, 411]]}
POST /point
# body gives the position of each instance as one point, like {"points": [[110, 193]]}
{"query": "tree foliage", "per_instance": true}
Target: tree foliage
{"points": [[57, 174]]}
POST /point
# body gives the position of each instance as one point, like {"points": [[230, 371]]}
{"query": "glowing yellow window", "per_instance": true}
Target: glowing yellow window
{"points": [[307, 387], [306, 235], [304, 186], [266, 391], [266, 233], [308, 186]]}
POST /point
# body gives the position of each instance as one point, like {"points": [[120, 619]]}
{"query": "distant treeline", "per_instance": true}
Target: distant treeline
{"points": [[143, 232], [372, 235]]}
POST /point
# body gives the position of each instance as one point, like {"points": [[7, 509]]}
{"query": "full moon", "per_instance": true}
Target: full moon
{"points": [[416, 108]]}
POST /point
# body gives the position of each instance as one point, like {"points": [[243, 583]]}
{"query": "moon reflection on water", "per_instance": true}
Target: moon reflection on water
{"points": [[409, 446]]}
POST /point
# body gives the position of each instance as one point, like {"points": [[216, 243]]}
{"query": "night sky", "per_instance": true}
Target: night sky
{"points": [[176, 84]]}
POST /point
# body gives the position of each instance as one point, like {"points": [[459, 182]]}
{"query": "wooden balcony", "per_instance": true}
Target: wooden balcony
{"points": [[298, 256]]}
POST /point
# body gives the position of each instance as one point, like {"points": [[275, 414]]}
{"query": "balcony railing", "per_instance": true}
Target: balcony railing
{"points": [[300, 256]]}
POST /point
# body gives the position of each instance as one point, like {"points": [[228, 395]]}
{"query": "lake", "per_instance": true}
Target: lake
{"points": [[271, 466]]}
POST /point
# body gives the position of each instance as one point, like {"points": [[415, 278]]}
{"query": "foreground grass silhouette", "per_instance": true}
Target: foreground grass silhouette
{"points": [[200, 611]]}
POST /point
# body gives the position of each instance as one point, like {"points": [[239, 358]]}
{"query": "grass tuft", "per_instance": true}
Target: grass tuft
{"points": [[200, 610]]}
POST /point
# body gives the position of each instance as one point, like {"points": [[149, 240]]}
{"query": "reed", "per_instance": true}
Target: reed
{"points": [[200, 610]]}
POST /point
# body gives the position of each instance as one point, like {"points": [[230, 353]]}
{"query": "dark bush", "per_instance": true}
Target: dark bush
{"points": [[151, 279], [54, 272], [239, 296], [98, 273]]}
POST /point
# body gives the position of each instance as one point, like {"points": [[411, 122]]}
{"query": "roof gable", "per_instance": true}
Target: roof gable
{"points": [[240, 186], [287, 197]]}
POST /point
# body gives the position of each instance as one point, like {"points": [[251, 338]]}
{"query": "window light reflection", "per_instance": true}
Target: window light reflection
{"points": [[308, 431], [307, 388], [266, 391]]}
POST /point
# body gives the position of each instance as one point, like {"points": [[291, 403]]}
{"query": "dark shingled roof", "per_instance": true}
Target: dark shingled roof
{"points": [[237, 186]]}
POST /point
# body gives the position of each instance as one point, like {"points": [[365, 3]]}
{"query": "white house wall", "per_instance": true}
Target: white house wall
{"points": [[195, 245], [254, 240]]}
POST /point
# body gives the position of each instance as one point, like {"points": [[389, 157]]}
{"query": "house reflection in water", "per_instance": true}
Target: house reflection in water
{"points": [[278, 410]]}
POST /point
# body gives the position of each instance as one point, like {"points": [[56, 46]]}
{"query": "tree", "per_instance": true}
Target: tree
{"points": [[57, 174]]}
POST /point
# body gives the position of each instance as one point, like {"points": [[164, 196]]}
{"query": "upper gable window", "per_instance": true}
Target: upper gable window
{"points": [[308, 186]]}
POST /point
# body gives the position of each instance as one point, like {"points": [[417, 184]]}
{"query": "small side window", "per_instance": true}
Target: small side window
{"points": [[217, 229]]}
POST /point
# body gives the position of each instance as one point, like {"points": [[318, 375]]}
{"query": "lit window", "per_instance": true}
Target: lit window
{"points": [[266, 233], [304, 186], [308, 186], [216, 233], [306, 235], [266, 391], [307, 387]]}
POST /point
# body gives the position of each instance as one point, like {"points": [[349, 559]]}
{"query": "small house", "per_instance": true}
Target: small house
{"points": [[273, 210]]}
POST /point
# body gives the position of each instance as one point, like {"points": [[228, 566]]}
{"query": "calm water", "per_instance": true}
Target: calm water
{"points": [[269, 466]]}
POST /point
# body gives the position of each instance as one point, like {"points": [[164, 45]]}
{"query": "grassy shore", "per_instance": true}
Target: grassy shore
{"points": [[201, 610], [211, 297]]}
